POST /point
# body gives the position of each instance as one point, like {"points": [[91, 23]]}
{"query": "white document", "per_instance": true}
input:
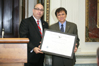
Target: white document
{"points": [[58, 43]]}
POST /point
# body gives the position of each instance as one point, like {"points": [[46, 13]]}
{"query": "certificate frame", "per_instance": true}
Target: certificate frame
{"points": [[53, 52]]}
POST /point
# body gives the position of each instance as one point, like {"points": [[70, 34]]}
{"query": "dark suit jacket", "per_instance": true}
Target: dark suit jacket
{"points": [[71, 28], [29, 29]]}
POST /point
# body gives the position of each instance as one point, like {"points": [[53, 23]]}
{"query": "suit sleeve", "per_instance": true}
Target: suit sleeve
{"points": [[23, 32], [76, 32], [23, 29]]}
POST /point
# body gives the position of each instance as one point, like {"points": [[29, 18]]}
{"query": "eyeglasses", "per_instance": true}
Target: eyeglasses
{"points": [[39, 9]]}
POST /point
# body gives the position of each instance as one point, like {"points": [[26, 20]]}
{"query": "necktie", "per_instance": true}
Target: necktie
{"points": [[39, 28], [62, 28]]}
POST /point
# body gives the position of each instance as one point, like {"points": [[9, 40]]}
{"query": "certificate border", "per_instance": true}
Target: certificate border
{"points": [[51, 53]]}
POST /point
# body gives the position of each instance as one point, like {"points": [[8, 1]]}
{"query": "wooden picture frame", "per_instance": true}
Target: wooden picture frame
{"points": [[47, 11], [92, 21]]}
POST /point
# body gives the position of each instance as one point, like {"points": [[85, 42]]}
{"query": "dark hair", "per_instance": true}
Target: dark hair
{"points": [[60, 9], [98, 52]]}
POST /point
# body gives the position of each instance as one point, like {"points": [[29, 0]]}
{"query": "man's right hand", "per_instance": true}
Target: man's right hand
{"points": [[37, 50]]}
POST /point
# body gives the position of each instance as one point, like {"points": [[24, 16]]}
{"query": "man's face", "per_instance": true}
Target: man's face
{"points": [[38, 11], [61, 16]]}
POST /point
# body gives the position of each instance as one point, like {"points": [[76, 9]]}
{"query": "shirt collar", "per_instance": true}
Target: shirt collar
{"points": [[36, 19], [63, 23]]}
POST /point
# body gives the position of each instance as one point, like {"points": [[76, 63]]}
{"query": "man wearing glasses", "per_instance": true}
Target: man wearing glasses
{"points": [[33, 28]]}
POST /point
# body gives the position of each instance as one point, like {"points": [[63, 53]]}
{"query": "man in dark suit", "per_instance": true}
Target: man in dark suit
{"points": [[98, 56], [32, 28], [66, 27]]}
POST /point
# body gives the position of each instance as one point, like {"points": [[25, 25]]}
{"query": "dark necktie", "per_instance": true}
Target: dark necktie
{"points": [[39, 28], [62, 28]]}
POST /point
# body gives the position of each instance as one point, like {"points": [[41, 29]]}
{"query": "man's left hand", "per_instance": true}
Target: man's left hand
{"points": [[75, 48]]}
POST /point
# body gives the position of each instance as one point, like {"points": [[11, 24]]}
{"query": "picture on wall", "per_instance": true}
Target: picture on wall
{"points": [[92, 21]]}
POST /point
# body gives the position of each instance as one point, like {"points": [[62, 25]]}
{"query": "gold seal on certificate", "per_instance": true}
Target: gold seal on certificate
{"points": [[57, 43]]}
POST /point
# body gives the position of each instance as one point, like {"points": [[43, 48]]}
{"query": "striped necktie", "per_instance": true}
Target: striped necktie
{"points": [[39, 27]]}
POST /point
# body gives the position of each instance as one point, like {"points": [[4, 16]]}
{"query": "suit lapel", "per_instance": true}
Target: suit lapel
{"points": [[57, 26], [35, 25], [67, 27]]}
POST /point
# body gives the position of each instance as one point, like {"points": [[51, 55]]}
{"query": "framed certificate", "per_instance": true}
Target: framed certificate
{"points": [[57, 43]]}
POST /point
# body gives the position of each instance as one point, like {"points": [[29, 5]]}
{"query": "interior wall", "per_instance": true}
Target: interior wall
{"points": [[53, 7], [31, 4]]}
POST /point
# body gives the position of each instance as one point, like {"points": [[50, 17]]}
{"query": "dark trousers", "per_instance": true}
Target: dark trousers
{"points": [[39, 63], [60, 61], [33, 64]]}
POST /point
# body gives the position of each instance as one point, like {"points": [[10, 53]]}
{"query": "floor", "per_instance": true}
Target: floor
{"points": [[80, 65]]}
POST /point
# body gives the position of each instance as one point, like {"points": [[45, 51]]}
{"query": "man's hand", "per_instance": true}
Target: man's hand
{"points": [[37, 50], [39, 45], [75, 48]]}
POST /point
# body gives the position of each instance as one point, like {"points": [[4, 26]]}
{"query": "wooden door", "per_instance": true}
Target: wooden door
{"points": [[9, 17]]}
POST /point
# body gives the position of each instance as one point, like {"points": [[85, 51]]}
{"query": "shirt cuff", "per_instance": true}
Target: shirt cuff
{"points": [[31, 51]]}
